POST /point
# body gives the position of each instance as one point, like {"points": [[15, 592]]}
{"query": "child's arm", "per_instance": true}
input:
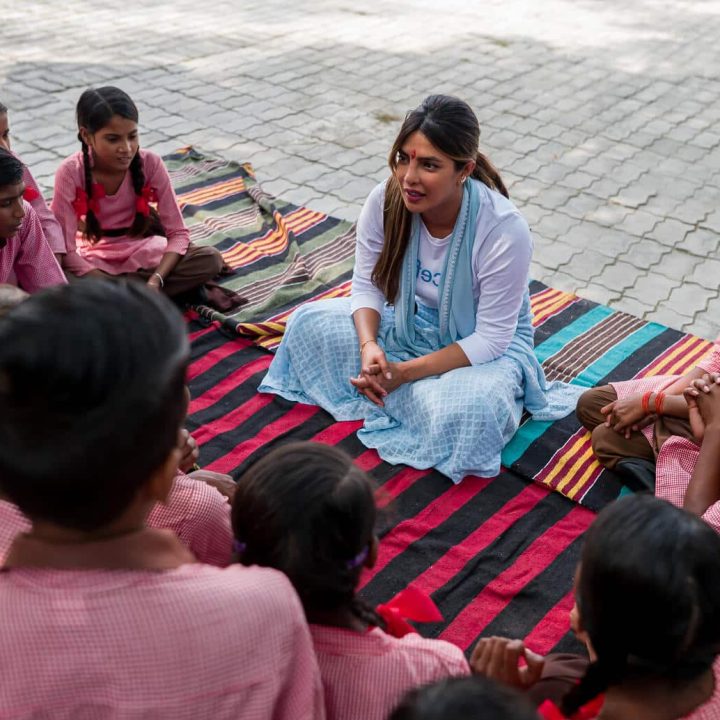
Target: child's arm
{"points": [[66, 185], [178, 236], [704, 488], [50, 225]]}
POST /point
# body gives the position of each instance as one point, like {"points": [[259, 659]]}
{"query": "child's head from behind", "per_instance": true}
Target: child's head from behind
{"points": [[648, 596], [307, 510], [475, 698], [12, 209], [91, 400]]}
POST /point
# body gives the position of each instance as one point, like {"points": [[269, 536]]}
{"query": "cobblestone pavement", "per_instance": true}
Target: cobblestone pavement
{"points": [[602, 115]]}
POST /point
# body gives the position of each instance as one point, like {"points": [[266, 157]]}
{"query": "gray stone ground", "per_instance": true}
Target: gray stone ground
{"points": [[602, 115]]}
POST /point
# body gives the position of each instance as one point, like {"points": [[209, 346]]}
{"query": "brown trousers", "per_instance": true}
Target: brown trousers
{"points": [[610, 446], [199, 265]]}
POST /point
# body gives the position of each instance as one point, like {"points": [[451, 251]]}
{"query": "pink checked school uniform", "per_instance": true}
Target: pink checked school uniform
{"points": [[123, 254], [26, 259], [182, 644], [365, 675], [678, 455], [197, 513], [50, 225]]}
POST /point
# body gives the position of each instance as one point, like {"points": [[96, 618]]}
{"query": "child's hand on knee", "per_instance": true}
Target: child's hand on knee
{"points": [[499, 658]]}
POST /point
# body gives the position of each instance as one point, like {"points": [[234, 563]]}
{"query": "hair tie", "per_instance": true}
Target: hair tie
{"points": [[142, 203], [359, 559], [239, 547]]}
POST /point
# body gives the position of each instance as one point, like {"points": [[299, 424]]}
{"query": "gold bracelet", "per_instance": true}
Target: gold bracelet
{"points": [[362, 345]]}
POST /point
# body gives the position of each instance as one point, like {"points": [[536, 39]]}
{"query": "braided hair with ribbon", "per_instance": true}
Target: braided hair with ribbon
{"points": [[95, 109]]}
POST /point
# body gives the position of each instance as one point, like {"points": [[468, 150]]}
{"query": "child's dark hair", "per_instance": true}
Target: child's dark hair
{"points": [[464, 699], [11, 169], [95, 108], [3, 109], [91, 399], [307, 510], [649, 597]]}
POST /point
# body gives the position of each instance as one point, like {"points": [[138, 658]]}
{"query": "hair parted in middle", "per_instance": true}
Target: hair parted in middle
{"points": [[95, 109], [453, 128]]}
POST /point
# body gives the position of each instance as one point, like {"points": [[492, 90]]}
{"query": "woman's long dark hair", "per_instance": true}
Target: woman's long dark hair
{"points": [[452, 127], [649, 597], [95, 109], [307, 510]]}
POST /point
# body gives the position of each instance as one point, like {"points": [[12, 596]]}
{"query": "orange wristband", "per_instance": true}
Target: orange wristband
{"points": [[646, 403], [659, 400]]}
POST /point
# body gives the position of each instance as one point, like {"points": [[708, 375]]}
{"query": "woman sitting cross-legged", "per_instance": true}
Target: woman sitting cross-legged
{"points": [[434, 349]]}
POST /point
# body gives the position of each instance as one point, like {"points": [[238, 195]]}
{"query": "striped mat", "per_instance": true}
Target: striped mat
{"points": [[496, 554], [286, 255], [282, 254]]}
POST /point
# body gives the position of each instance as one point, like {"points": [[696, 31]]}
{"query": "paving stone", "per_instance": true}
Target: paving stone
{"points": [[651, 289], [689, 299], [617, 276], [702, 242], [670, 232]]}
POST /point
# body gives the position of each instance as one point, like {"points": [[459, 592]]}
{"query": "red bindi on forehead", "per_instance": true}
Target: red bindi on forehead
{"points": [[413, 154]]}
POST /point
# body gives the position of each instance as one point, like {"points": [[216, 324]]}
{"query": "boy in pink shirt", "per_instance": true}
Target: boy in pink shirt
{"points": [[26, 259], [104, 616]]}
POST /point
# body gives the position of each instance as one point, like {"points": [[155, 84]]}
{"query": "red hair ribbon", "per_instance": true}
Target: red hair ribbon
{"points": [[409, 604], [30, 194], [81, 204], [142, 203], [550, 711]]}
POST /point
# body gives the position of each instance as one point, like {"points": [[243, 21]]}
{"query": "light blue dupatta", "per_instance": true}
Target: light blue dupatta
{"points": [[457, 305], [457, 310]]}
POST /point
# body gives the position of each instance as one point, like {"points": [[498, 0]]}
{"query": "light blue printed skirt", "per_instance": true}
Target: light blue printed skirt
{"points": [[457, 422]]}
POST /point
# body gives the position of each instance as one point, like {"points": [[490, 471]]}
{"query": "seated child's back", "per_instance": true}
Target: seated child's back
{"points": [[104, 617], [307, 510]]}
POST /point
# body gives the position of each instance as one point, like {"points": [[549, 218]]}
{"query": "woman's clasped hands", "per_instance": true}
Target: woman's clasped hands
{"points": [[377, 377]]}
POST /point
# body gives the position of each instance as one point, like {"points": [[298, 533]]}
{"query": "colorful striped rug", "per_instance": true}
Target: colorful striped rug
{"points": [[286, 255], [497, 555]]}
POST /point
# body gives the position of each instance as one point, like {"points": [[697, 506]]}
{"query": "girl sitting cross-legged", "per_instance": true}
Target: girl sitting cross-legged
{"points": [[103, 616], [306, 510], [117, 208]]}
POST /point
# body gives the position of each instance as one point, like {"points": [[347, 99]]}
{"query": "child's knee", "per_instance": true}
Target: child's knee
{"points": [[588, 408], [603, 440]]}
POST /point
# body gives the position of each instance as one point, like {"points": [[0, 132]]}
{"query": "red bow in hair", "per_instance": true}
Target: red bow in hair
{"points": [[409, 604], [142, 203], [30, 194], [550, 711], [81, 205]]}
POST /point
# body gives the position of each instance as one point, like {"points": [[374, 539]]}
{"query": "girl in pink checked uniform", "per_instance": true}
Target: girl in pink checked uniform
{"points": [[102, 615], [305, 509], [108, 191]]}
